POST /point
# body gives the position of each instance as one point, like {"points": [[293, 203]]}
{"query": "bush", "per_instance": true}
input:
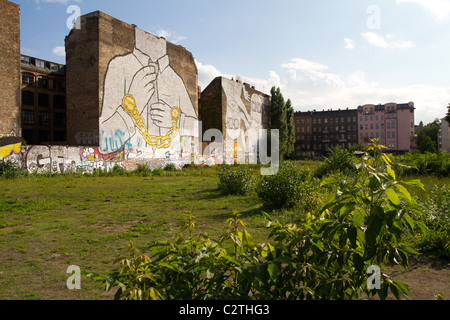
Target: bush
{"points": [[436, 208], [234, 180], [338, 160], [11, 170], [170, 167], [289, 188], [437, 164]]}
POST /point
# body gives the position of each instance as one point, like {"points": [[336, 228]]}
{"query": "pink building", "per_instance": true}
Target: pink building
{"points": [[391, 123]]}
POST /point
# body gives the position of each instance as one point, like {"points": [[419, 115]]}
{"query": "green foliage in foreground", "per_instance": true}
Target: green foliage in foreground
{"points": [[323, 258]]}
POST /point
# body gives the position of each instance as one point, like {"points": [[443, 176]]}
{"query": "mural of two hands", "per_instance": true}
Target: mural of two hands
{"points": [[143, 88]]}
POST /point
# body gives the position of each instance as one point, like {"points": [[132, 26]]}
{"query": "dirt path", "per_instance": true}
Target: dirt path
{"points": [[425, 277]]}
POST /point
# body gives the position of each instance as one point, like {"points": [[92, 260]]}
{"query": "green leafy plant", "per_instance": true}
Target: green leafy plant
{"points": [[289, 188], [235, 180]]}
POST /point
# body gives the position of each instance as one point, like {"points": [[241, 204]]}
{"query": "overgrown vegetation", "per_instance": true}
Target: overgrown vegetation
{"points": [[326, 257], [345, 215]]}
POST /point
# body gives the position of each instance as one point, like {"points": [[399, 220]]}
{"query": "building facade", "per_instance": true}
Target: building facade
{"points": [[319, 131], [43, 101], [10, 69], [444, 136], [239, 112], [391, 123], [130, 93]]}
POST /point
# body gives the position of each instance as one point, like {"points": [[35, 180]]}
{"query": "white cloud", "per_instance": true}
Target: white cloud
{"points": [[59, 51], [385, 42], [207, 73], [170, 36], [439, 8], [311, 86], [349, 44]]}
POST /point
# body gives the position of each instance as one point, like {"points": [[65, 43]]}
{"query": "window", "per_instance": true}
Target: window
{"points": [[43, 100], [377, 126], [388, 125], [59, 136], [389, 135], [44, 136], [54, 67], [367, 127], [382, 126], [25, 60], [27, 78], [27, 117], [40, 64], [371, 126], [42, 82], [393, 135], [44, 118], [27, 98], [325, 120], [393, 125], [354, 119], [59, 101], [28, 135], [59, 119], [60, 84]]}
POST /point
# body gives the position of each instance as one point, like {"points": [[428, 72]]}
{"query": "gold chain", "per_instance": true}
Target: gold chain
{"points": [[129, 106]]}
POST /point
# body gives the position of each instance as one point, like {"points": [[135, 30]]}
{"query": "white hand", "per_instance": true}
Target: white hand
{"points": [[161, 114], [142, 87]]}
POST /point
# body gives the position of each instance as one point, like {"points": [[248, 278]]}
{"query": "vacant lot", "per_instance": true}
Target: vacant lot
{"points": [[50, 223]]}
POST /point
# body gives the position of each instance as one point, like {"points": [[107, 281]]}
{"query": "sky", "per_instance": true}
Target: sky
{"points": [[322, 54]]}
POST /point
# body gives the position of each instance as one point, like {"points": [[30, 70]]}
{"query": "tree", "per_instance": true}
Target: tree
{"points": [[424, 143], [278, 118], [447, 117], [290, 128]]}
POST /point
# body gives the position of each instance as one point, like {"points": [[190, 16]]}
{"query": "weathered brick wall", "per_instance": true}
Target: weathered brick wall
{"points": [[10, 69], [105, 61]]}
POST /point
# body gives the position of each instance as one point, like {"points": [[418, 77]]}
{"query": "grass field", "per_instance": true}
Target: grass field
{"points": [[50, 223]]}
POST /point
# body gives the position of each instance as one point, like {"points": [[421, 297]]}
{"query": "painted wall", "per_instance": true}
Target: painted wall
{"points": [[130, 92], [62, 159]]}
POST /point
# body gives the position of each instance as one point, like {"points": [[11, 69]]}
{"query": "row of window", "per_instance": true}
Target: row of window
{"points": [[40, 63], [59, 101], [389, 125], [377, 135], [326, 129], [42, 136], [28, 118], [43, 81], [327, 137], [325, 120]]}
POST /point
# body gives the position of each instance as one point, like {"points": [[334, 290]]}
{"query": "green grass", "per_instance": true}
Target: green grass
{"points": [[50, 223]]}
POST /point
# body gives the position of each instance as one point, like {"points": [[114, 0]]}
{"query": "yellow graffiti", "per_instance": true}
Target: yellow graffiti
{"points": [[6, 150], [129, 106]]}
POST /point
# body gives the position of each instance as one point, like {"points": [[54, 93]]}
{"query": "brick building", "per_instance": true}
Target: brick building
{"points": [[108, 62], [10, 69], [318, 131], [43, 101], [238, 111]]}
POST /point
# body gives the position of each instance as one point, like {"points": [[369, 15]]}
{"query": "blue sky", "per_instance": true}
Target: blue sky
{"points": [[322, 54]]}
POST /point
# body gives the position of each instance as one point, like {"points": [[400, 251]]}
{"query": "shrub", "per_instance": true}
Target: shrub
{"points": [[11, 170], [234, 180], [143, 170], [338, 160], [170, 167], [436, 208], [290, 187]]}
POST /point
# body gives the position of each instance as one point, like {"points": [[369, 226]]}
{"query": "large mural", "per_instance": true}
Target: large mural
{"points": [[243, 122], [147, 112]]}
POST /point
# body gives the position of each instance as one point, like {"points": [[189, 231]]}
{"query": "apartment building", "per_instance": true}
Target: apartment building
{"points": [[318, 131], [391, 123], [43, 101]]}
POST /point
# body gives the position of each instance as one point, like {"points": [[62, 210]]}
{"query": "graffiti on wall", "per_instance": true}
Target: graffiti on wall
{"points": [[146, 111], [243, 122]]}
